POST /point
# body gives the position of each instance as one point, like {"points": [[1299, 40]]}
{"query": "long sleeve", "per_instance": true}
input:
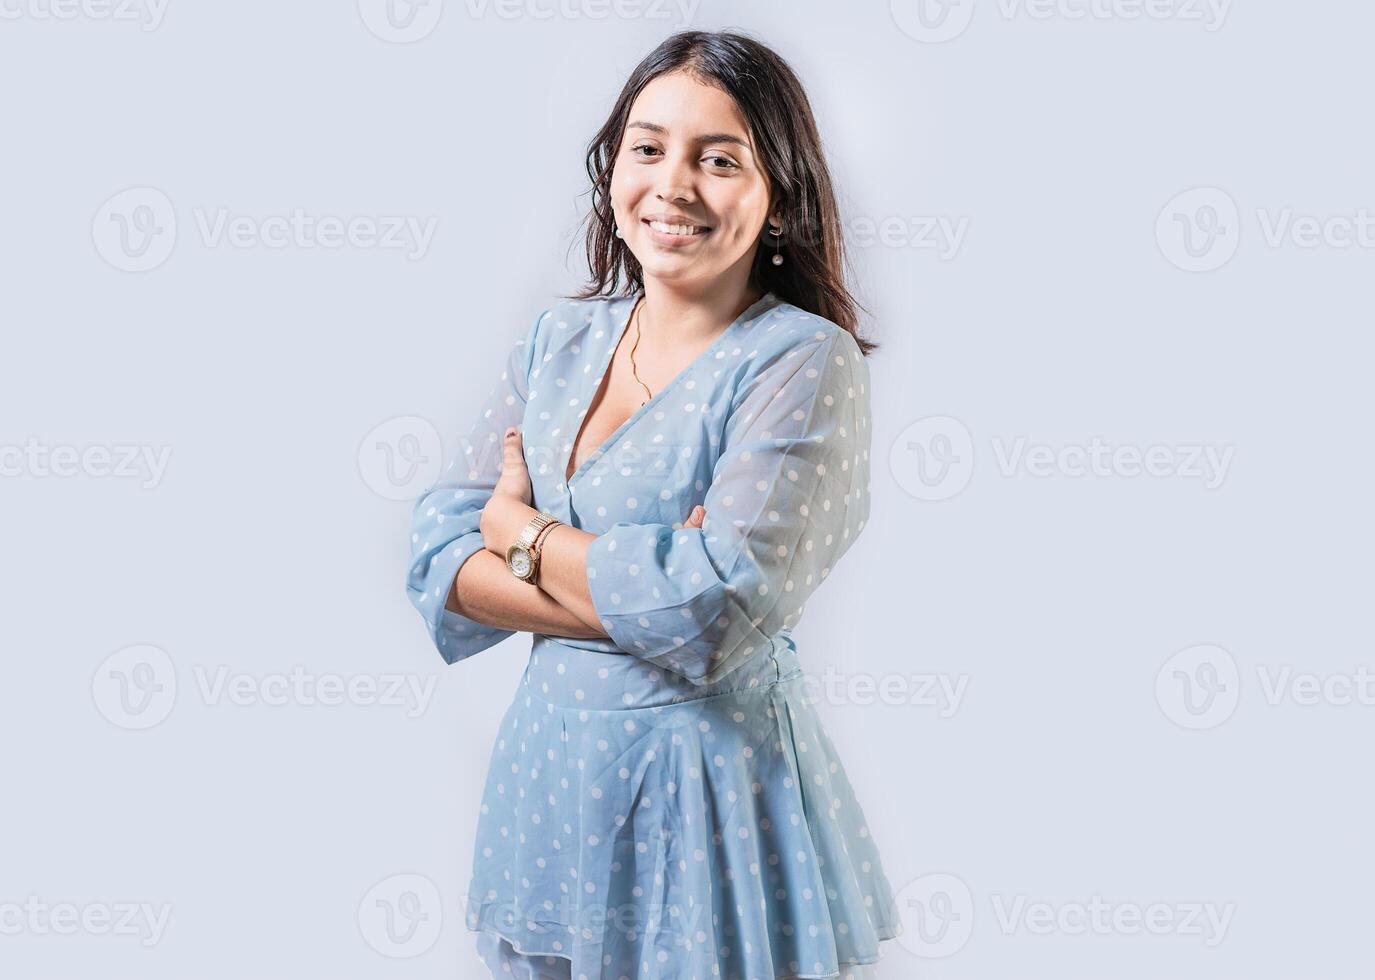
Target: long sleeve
{"points": [[788, 496], [445, 521]]}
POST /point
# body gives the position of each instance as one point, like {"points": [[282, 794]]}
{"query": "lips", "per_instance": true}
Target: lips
{"points": [[673, 234]]}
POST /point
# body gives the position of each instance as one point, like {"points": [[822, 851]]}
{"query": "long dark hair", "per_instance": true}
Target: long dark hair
{"points": [[788, 147]]}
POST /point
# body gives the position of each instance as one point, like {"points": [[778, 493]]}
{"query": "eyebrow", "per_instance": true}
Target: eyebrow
{"points": [[706, 138]]}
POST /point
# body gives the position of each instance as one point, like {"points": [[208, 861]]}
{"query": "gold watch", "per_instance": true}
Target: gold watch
{"points": [[522, 558]]}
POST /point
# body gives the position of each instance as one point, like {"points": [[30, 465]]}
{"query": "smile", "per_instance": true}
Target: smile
{"points": [[679, 231]]}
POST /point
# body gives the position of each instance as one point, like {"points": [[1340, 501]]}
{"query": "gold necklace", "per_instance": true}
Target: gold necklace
{"points": [[635, 315], [648, 396]]}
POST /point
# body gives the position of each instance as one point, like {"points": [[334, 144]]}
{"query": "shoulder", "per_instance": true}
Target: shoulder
{"points": [[802, 347], [558, 324], [566, 321]]}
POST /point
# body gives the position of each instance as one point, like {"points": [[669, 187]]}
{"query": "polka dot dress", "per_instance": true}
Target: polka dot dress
{"points": [[664, 802]]}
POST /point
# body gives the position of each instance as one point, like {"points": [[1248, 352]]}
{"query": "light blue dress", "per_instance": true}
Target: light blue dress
{"points": [[665, 803]]}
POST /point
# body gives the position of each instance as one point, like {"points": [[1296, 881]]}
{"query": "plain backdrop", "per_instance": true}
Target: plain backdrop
{"points": [[1097, 666]]}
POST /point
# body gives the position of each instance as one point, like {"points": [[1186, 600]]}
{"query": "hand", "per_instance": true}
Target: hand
{"points": [[510, 507], [515, 476], [695, 519]]}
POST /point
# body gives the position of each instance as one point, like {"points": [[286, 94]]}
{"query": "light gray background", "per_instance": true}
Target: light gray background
{"points": [[1152, 670]]}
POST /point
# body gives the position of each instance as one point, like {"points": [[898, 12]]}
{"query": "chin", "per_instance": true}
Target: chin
{"points": [[677, 274], [668, 267]]}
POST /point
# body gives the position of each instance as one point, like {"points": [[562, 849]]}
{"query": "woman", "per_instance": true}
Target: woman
{"points": [[678, 467]]}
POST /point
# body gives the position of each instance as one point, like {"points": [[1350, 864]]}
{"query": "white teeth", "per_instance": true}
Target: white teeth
{"points": [[675, 229]]}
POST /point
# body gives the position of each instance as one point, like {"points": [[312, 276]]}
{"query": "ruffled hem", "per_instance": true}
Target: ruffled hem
{"points": [[846, 966], [717, 837]]}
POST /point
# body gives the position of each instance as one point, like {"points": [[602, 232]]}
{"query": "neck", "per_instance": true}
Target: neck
{"points": [[692, 316]]}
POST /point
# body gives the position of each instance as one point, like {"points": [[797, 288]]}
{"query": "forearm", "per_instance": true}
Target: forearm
{"points": [[563, 558], [491, 595], [563, 573]]}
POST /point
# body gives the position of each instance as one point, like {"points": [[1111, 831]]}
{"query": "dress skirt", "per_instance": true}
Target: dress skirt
{"points": [[640, 828]]}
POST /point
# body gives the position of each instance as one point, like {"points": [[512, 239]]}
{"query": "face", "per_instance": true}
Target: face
{"points": [[686, 156]]}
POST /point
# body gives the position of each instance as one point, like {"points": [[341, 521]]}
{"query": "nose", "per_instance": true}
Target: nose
{"points": [[676, 179]]}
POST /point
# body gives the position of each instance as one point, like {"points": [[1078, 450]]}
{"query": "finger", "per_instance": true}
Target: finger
{"points": [[511, 450]]}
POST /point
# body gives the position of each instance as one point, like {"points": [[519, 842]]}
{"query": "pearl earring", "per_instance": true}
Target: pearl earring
{"points": [[777, 232], [618, 232]]}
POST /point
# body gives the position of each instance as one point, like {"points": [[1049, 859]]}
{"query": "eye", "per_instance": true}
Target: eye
{"points": [[726, 162], [642, 146]]}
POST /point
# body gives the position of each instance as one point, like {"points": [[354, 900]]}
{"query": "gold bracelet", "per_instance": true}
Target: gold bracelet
{"points": [[537, 547]]}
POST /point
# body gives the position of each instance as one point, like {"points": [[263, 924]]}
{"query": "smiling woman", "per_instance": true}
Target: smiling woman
{"points": [[656, 485]]}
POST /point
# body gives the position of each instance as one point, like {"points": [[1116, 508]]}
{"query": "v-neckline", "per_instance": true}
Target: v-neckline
{"points": [[621, 323]]}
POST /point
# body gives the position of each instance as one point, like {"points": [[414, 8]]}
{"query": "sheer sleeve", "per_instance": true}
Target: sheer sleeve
{"points": [[788, 496], [445, 520]]}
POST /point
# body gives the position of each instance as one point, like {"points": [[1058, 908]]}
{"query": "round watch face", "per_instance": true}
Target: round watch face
{"points": [[520, 563]]}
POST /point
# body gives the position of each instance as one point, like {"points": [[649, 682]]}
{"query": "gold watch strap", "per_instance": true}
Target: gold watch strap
{"points": [[531, 531], [538, 543], [537, 547]]}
